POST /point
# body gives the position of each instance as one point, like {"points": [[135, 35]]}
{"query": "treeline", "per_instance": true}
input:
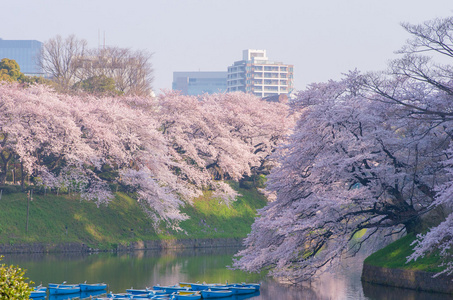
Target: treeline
{"points": [[164, 150]]}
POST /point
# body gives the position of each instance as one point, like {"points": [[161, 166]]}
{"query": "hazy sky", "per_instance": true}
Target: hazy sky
{"points": [[321, 38]]}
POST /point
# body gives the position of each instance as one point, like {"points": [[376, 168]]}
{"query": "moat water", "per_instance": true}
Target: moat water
{"points": [[142, 269]]}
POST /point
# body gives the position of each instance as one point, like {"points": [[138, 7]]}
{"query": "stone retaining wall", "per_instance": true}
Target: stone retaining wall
{"points": [[140, 245], [410, 279]]}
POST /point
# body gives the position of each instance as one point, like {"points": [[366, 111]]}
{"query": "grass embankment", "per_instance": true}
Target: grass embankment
{"points": [[394, 256], [64, 219]]}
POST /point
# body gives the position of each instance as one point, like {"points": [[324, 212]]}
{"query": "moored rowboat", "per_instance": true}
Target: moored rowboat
{"points": [[239, 290], [38, 292], [170, 289], [146, 291], [64, 284], [86, 287], [208, 294], [186, 295], [256, 286], [205, 286], [64, 290], [186, 284]]}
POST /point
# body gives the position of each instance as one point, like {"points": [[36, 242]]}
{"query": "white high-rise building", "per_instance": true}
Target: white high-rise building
{"points": [[257, 75]]}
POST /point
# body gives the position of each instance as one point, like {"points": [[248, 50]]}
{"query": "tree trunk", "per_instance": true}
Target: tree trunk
{"points": [[401, 212], [22, 177], [3, 173], [5, 158], [414, 225], [431, 219]]}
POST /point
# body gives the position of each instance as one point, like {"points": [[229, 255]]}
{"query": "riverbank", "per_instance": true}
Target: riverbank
{"points": [[51, 223], [388, 267], [408, 279], [21, 248]]}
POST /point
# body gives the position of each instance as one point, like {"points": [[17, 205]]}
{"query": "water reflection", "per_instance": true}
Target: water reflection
{"points": [[142, 269]]}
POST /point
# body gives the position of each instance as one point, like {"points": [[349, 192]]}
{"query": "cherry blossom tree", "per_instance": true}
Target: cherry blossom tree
{"points": [[352, 164], [64, 141], [220, 136], [161, 150], [125, 137], [432, 76], [370, 152], [34, 124]]}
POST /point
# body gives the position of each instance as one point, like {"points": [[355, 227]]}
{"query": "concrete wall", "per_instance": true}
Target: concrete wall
{"points": [[409, 279], [140, 245]]}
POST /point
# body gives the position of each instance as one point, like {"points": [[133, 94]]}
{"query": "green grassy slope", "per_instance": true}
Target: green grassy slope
{"points": [[211, 219], [395, 256], [60, 219]]}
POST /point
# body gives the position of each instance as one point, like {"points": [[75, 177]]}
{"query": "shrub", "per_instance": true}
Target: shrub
{"points": [[13, 284], [10, 189], [254, 181]]}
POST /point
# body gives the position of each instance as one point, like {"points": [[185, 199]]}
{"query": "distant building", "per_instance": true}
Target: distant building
{"points": [[25, 53], [257, 75], [197, 83]]}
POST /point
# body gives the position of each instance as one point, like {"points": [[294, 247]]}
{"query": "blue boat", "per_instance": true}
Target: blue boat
{"points": [[169, 289], [119, 296], [240, 290], [186, 295], [256, 286], [208, 294], [205, 286], [147, 291], [64, 284], [38, 292], [64, 290], [130, 296], [138, 291], [87, 287]]}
